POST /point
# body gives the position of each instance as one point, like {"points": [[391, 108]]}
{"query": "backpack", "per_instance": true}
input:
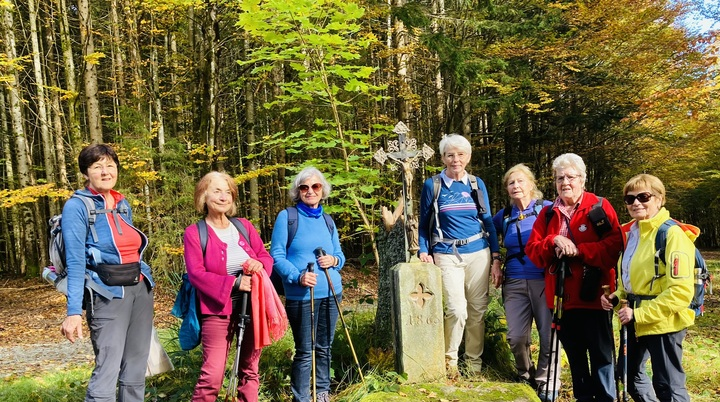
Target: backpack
{"points": [[597, 216], [507, 221], [56, 273], [292, 213], [187, 305], [702, 276], [477, 195]]}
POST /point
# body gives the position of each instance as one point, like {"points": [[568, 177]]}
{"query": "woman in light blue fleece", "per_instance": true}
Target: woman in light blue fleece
{"points": [[316, 241]]}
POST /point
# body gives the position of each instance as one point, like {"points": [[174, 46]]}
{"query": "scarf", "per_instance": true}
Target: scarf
{"points": [[268, 314], [312, 212]]}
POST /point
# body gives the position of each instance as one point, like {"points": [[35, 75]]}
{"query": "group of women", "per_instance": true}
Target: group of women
{"points": [[559, 255], [108, 278], [556, 252]]}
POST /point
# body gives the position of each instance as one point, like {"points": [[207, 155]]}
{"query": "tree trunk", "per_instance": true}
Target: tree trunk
{"points": [[250, 130], [12, 245], [157, 96], [48, 145], [73, 120], [92, 103]]}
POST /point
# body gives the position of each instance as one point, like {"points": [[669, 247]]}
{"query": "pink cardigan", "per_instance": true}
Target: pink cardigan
{"points": [[209, 275]]}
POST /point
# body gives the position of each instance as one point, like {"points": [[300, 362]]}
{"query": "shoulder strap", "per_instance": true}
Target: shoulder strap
{"points": [[92, 213], [477, 195], [599, 219], [241, 228], [203, 233], [329, 223], [292, 218], [538, 207], [506, 219], [549, 214], [435, 223]]}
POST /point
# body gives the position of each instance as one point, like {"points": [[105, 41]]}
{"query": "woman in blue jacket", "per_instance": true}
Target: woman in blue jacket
{"points": [[523, 283], [312, 230], [108, 278]]}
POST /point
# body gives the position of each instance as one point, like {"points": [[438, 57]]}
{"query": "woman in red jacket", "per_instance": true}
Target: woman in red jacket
{"points": [[590, 247]]}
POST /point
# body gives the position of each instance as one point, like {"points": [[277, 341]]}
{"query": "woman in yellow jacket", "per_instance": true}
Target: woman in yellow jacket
{"points": [[657, 316]]}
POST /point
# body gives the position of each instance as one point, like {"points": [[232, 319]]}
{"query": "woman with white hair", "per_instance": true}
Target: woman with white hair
{"points": [[523, 284], [316, 241], [457, 234], [581, 233]]}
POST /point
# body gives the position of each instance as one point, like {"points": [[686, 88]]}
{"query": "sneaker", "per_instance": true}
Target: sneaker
{"points": [[551, 396]]}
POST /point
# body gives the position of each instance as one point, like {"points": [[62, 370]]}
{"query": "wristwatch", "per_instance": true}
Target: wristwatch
{"points": [[498, 258]]}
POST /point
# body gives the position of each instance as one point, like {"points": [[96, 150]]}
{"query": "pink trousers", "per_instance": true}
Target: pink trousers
{"points": [[218, 333]]}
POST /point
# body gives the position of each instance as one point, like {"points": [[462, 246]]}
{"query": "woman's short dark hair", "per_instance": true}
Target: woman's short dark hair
{"points": [[93, 153]]}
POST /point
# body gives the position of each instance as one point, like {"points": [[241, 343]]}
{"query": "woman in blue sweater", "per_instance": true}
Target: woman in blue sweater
{"points": [[457, 234], [316, 241], [523, 283]]}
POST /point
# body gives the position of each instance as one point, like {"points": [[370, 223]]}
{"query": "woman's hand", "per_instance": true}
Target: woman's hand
{"points": [[608, 302], [425, 257], [308, 279], [625, 315], [497, 274], [251, 266], [564, 247], [245, 283], [327, 261], [72, 324]]}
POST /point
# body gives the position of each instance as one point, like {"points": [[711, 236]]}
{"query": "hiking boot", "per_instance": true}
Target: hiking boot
{"points": [[452, 371], [550, 396], [323, 397]]}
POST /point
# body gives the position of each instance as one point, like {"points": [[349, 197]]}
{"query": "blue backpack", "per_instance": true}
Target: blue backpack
{"points": [[702, 276], [187, 305]]}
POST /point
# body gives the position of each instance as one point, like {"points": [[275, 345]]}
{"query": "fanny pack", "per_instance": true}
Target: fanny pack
{"points": [[120, 274]]}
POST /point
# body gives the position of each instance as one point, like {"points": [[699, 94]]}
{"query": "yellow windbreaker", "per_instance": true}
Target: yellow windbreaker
{"points": [[668, 311]]}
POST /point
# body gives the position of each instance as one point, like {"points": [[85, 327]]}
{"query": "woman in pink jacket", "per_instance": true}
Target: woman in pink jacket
{"points": [[220, 276]]}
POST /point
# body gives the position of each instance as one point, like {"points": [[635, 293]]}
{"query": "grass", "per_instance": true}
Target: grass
{"points": [[701, 361]]}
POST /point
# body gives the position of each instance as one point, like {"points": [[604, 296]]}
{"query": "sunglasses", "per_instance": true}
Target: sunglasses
{"points": [[304, 187], [642, 197]]}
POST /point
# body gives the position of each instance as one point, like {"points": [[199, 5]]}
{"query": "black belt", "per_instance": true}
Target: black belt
{"points": [[635, 300]]}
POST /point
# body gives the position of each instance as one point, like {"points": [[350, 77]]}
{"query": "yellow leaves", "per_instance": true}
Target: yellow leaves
{"points": [[10, 198], [173, 250], [94, 58]]}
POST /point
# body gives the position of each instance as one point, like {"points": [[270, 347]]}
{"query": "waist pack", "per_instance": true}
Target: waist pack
{"points": [[119, 274]]}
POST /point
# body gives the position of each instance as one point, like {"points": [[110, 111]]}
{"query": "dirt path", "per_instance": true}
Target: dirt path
{"points": [[31, 312]]}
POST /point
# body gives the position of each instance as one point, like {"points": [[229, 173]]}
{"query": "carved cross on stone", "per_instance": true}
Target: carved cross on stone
{"points": [[404, 154], [421, 295]]}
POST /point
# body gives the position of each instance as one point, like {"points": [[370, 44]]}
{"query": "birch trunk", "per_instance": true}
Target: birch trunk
{"points": [[73, 120], [92, 103]]}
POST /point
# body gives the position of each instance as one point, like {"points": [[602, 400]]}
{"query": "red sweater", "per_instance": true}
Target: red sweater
{"points": [[593, 250]]}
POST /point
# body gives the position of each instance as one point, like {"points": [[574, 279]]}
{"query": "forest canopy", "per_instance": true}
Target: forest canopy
{"points": [[260, 89]]}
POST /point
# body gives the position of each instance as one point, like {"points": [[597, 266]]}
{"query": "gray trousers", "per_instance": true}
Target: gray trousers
{"points": [[524, 301], [665, 354], [120, 331]]}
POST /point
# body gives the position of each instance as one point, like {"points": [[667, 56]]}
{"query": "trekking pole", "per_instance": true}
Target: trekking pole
{"points": [[244, 318], [555, 327], [313, 375], [623, 334], [606, 291], [320, 252]]}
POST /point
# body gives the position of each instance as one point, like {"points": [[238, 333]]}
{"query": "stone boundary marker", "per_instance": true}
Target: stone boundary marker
{"points": [[417, 315]]}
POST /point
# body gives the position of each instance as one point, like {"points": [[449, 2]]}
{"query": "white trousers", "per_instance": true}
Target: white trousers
{"points": [[466, 295]]}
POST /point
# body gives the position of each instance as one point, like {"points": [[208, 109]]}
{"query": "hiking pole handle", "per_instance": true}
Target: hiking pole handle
{"points": [[606, 290], [623, 303], [310, 267]]}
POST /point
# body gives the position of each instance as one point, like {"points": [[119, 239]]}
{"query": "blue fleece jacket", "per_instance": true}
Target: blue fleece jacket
{"points": [[291, 263], [81, 250], [516, 268]]}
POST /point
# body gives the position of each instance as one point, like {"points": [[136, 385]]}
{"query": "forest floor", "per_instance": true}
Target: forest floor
{"points": [[31, 312]]}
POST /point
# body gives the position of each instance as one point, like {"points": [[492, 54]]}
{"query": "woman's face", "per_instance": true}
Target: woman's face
{"points": [[218, 197], [569, 185], [455, 161], [102, 175], [519, 187], [311, 192], [642, 204]]}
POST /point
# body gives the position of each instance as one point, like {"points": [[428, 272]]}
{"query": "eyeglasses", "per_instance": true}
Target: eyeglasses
{"points": [[642, 197], [304, 187], [570, 178]]}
